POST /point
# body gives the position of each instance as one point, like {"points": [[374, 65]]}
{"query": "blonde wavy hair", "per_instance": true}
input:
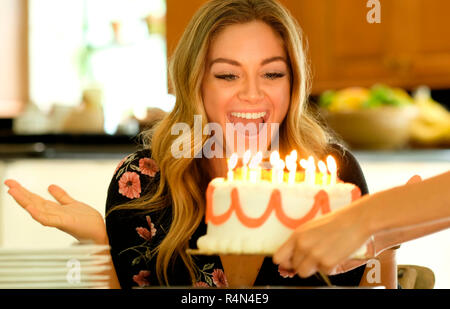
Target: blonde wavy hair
{"points": [[183, 181]]}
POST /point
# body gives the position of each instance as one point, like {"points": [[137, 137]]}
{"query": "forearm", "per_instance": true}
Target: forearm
{"points": [[391, 238], [409, 205]]}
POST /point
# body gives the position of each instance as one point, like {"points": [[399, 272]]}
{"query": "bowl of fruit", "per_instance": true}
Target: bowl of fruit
{"points": [[379, 117]]}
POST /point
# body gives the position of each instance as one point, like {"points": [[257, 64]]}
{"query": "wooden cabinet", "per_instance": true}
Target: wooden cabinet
{"points": [[430, 39], [408, 48], [177, 17]]}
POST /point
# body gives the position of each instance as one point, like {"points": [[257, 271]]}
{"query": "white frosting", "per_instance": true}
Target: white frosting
{"points": [[233, 237]]}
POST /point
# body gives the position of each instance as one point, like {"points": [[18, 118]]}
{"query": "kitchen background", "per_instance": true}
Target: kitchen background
{"points": [[79, 79]]}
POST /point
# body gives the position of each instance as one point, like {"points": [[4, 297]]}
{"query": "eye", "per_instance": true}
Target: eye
{"points": [[227, 77], [274, 75]]}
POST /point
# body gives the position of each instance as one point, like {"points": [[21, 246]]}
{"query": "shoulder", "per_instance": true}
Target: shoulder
{"points": [[349, 169], [134, 175], [343, 155], [140, 161], [133, 232]]}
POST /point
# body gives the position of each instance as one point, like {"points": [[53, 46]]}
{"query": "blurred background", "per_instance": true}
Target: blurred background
{"points": [[80, 78]]}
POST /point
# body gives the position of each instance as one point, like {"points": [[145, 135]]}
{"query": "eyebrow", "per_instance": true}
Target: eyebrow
{"points": [[236, 63]]}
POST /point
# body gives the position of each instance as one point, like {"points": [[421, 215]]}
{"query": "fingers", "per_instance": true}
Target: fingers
{"points": [[414, 179], [292, 256], [60, 195], [12, 183], [41, 210], [20, 197], [57, 192], [306, 267], [284, 254]]}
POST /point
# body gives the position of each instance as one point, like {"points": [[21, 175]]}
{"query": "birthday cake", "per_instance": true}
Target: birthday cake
{"points": [[257, 217]]}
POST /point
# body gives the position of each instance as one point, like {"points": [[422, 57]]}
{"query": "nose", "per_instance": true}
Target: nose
{"points": [[251, 91]]}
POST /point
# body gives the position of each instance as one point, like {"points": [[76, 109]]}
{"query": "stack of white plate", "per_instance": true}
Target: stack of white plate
{"points": [[77, 266]]}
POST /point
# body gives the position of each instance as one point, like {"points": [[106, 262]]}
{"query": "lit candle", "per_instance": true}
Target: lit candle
{"points": [[259, 156], [323, 170], [291, 164], [280, 168], [311, 171], [255, 169], [274, 161], [245, 161], [332, 167], [304, 165], [232, 161]]}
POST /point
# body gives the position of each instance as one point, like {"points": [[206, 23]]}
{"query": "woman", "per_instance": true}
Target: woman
{"points": [[236, 57], [398, 215]]}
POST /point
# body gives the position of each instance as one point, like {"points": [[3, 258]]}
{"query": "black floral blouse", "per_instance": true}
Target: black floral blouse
{"points": [[133, 234]]}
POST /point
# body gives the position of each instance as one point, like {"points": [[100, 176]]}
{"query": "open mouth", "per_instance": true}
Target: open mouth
{"points": [[258, 118]]}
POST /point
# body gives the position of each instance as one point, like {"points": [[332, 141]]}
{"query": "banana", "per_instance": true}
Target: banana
{"points": [[432, 126], [429, 133]]}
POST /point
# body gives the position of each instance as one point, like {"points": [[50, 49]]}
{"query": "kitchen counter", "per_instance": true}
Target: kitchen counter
{"points": [[66, 146], [115, 146], [406, 155]]}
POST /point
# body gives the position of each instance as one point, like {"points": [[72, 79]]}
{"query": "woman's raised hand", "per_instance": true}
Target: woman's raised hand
{"points": [[68, 215]]}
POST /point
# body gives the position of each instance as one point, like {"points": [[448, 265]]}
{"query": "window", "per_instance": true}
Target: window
{"points": [[117, 46]]}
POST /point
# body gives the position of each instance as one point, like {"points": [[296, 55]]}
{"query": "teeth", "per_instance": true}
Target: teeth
{"points": [[249, 115]]}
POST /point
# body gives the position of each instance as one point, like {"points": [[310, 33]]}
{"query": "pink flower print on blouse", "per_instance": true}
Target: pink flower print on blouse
{"points": [[148, 167], [219, 278], [286, 273], [120, 164], [130, 185], [144, 232], [141, 278], [201, 284]]}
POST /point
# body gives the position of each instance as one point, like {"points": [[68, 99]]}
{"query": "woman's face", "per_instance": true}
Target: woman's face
{"points": [[246, 81]]}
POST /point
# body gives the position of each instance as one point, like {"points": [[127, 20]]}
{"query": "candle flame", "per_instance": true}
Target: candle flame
{"points": [[294, 155], [274, 158], [246, 157], [311, 163], [322, 167], [256, 160], [291, 163], [232, 161], [303, 163], [331, 163]]}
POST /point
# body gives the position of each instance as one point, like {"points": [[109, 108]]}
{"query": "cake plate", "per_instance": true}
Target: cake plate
{"points": [[202, 252], [231, 263]]}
